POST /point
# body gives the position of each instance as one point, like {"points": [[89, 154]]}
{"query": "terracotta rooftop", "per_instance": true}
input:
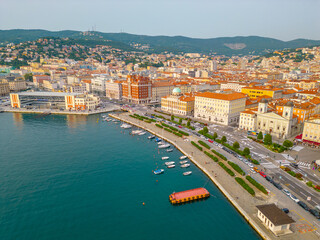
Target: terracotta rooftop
{"points": [[222, 96]]}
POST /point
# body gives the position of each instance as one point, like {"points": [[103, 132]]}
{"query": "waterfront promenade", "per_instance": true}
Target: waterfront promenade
{"points": [[110, 108], [241, 199]]}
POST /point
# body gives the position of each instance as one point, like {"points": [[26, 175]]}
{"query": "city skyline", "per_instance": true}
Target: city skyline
{"points": [[285, 20]]}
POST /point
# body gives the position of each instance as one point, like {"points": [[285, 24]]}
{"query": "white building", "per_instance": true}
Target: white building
{"points": [[223, 108]]}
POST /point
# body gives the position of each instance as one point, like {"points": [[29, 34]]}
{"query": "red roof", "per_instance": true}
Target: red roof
{"points": [[189, 193]]}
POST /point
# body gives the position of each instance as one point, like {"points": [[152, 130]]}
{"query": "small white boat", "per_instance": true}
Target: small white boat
{"points": [[187, 173], [142, 133], [165, 158], [169, 163], [183, 157], [158, 171], [160, 143], [185, 165], [169, 150], [133, 132], [171, 166], [164, 145], [125, 126], [151, 136], [183, 162]]}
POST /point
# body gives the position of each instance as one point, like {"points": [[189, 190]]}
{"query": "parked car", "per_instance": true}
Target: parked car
{"points": [[304, 206], [256, 169], [315, 213], [286, 210], [179, 126], [209, 140], [250, 165], [252, 171], [269, 179], [277, 185], [262, 174], [294, 165], [294, 198], [286, 192]]}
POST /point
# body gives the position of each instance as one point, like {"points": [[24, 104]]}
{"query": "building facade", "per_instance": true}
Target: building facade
{"points": [[114, 89], [248, 120], [4, 87], [311, 130], [137, 89], [223, 108], [258, 91]]}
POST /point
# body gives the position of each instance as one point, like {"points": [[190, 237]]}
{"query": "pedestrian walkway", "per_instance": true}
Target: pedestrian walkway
{"points": [[288, 157], [297, 148], [268, 165], [304, 164], [283, 162]]}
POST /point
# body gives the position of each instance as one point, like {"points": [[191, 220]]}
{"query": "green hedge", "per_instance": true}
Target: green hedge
{"points": [[178, 134], [256, 184], [245, 186], [228, 170], [236, 167], [219, 154], [168, 130], [204, 144], [214, 158], [196, 145], [158, 125], [183, 133]]}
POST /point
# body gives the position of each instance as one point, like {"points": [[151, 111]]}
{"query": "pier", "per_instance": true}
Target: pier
{"points": [[189, 195]]}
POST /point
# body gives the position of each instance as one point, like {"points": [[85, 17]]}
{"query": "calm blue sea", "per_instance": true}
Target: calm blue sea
{"points": [[76, 177]]}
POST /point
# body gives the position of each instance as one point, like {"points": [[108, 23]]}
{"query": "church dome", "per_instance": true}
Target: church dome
{"points": [[176, 91]]}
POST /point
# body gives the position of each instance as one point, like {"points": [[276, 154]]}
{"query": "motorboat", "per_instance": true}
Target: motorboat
{"points": [[171, 166], [125, 126], [158, 140], [142, 133], [183, 162], [185, 165], [183, 157], [187, 173], [133, 132], [160, 143], [164, 145], [158, 171], [169, 150], [151, 137], [169, 163], [165, 158]]}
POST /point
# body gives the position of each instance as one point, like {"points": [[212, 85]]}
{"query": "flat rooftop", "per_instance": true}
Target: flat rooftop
{"points": [[48, 94], [189, 193]]}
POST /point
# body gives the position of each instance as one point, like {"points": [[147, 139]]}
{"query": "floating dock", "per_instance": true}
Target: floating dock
{"points": [[189, 195]]}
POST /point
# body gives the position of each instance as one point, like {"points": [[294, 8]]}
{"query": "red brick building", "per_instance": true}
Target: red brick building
{"points": [[137, 89]]}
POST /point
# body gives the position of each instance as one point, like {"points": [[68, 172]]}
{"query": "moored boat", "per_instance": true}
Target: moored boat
{"points": [[185, 165], [133, 132], [165, 158], [160, 143], [141, 133], [169, 150], [171, 166], [169, 163], [158, 171], [187, 173], [164, 145], [158, 140], [183, 162], [125, 126], [183, 157], [151, 137]]}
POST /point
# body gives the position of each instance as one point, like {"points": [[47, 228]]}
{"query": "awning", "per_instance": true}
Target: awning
{"points": [[299, 136], [311, 142]]}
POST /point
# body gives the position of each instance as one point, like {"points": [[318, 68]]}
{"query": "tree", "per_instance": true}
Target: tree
{"points": [[260, 136], [172, 118], [180, 121], [223, 139], [246, 151], [28, 77], [188, 123], [205, 130], [215, 136], [267, 139], [236, 145], [287, 143]]}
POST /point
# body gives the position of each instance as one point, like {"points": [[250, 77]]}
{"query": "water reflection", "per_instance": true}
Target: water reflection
{"points": [[18, 120]]}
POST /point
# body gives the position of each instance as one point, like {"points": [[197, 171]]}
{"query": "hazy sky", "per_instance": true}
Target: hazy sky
{"points": [[282, 19]]}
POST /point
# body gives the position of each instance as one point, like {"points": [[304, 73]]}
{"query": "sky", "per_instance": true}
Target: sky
{"points": [[281, 19]]}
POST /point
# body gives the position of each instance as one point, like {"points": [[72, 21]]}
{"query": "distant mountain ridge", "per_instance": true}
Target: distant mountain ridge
{"points": [[221, 46]]}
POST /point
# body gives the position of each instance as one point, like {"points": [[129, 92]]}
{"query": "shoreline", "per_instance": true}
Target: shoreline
{"points": [[239, 209]]}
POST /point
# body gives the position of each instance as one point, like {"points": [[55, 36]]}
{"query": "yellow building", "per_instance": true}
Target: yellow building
{"points": [[178, 103], [248, 120], [258, 91], [311, 129], [223, 108]]}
